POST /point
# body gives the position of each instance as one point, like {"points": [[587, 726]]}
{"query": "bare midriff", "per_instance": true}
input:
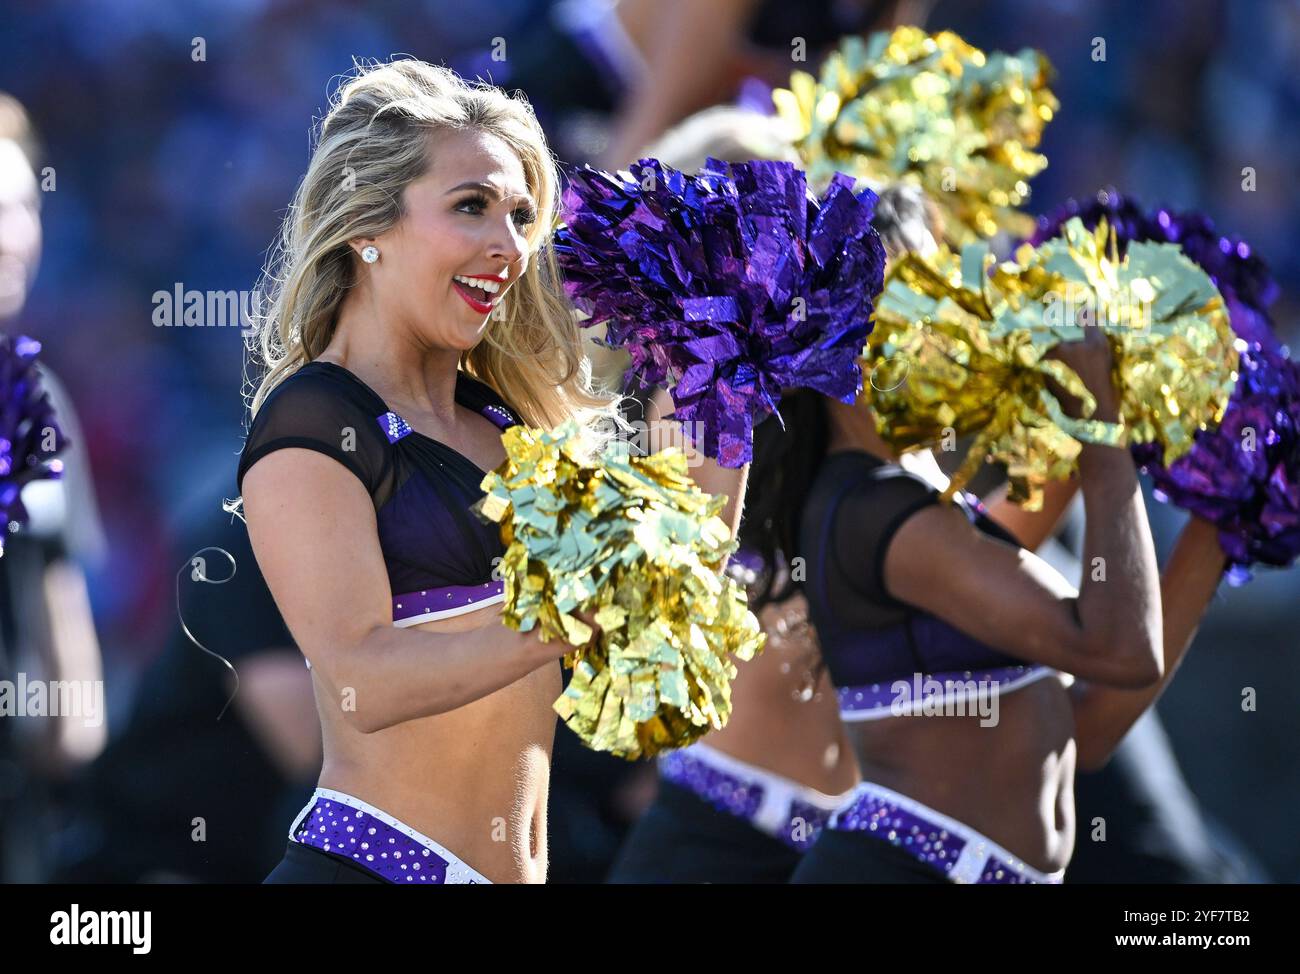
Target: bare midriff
{"points": [[785, 716], [474, 779], [1013, 781]]}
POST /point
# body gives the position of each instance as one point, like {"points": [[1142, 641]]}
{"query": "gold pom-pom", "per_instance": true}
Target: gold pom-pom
{"points": [[633, 542], [933, 110], [958, 350]]}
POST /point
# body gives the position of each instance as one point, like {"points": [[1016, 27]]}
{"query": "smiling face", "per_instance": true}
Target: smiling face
{"points": [[462, 241]]}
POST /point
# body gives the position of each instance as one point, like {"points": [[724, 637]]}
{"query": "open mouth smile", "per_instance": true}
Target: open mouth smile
{"points": [[480, 293]]}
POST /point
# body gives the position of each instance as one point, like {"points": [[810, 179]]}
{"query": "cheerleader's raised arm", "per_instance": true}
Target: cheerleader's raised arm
{"points": [[1104, 714], [1108, 630], [709, 475]]}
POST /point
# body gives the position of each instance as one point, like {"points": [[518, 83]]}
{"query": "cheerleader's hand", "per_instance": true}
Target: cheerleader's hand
{"points": [[589, 617], [1092, 361]]}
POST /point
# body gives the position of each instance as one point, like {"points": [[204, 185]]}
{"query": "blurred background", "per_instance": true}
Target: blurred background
{"points": [[164, 144]]}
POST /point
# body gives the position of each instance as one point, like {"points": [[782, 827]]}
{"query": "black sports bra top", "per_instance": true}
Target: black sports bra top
{"points": [[870, 640], [439, 555]]}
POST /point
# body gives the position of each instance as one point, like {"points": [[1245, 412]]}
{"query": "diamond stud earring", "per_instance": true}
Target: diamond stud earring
{"points": [[370, 254]]}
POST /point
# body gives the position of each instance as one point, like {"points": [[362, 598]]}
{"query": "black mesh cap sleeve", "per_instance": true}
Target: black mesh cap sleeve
{"points": [[865, 522], [322, 411]]}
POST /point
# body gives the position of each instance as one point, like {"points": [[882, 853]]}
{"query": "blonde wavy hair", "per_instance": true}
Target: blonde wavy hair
{"points": [[372, 144]]}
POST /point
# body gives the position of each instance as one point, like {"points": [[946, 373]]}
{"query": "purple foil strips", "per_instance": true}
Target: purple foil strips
{"points": [[29, 435], [727, 286]]}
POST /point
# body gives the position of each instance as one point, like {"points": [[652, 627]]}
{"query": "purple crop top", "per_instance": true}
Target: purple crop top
{"points": [[868, 638], [439, 555]]}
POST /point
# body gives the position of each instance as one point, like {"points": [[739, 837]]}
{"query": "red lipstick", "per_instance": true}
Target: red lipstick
{"points": [[479, 306]]}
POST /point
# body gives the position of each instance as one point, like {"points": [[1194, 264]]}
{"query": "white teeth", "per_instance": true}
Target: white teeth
{"points": [[491, 287]]}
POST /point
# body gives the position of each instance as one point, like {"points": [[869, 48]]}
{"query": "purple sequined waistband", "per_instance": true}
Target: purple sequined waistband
{"points": [[348, 827], [771, 803], [912, 694], [956, 850]]}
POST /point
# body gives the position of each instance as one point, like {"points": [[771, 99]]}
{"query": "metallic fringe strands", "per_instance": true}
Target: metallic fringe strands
{"points": [[1237, 270], [29, 435], [1243, 475], [632, 541], [930, 109], [962, 345], [727, 286]]}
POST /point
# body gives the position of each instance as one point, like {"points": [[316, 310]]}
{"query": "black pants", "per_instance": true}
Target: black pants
{"points": [[683, 839], [856, 857], [304, 864]]}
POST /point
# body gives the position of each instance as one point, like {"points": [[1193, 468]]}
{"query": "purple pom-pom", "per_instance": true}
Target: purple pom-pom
{"points": [[1239, 273], [729, 286], [29, 436], [1244, 476]]}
